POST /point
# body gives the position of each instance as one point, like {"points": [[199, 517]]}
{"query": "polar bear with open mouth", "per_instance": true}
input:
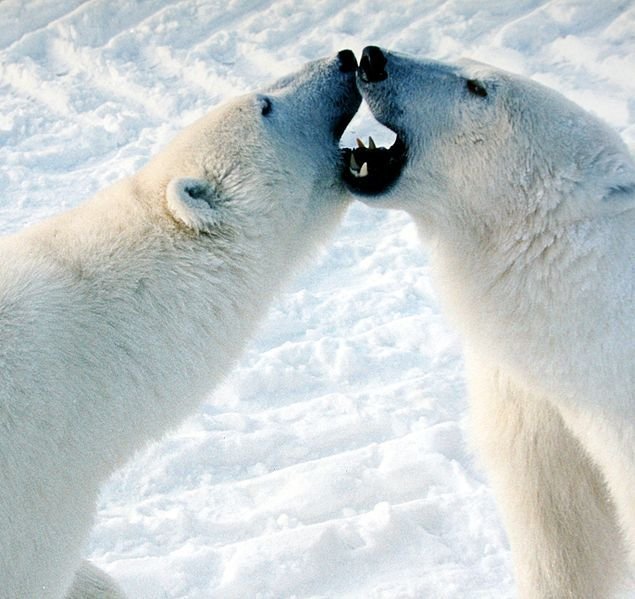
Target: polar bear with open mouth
{"points": [[117, 318], [526, 204]]}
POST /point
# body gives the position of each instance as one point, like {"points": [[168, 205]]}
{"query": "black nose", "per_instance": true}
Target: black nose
{"points": [[371, 66], [347, 59]]}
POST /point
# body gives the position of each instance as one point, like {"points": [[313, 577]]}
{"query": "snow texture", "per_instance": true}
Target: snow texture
{"points": [[334, 462]]}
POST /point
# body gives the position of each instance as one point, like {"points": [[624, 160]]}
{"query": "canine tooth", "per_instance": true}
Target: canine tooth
{"points": [[371, 143], [363, 172], [360, 143], [353, 164]]}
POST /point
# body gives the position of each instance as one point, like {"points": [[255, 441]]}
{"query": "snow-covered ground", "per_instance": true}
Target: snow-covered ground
{"points": [[334, 462]]}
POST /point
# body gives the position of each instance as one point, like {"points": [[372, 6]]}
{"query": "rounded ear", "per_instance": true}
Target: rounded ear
{"points": [[621, 189], [193, 202]]}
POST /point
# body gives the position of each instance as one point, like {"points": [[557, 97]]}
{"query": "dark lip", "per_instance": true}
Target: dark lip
{"points": [[384, 166]]}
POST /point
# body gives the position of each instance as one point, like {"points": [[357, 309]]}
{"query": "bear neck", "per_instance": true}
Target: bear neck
{"points": [[166, 315], [499, 290]]}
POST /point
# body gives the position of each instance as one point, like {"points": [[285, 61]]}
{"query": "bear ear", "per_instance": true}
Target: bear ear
{"points": [[193, 202], [621, 191]]}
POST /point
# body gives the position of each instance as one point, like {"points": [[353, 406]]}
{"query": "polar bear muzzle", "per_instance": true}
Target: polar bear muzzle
{"points": [[370, 170]]}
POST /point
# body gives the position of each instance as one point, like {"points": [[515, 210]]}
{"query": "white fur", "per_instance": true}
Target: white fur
{"points": [[118, 317], [527, 206]]}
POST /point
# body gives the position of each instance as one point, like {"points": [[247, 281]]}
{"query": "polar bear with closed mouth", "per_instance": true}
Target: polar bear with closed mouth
{"points": [[118, 317], [526, 204]]}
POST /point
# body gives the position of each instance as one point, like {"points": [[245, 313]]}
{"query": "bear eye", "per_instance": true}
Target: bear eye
{"points": [[476, 88], [265, 106]]}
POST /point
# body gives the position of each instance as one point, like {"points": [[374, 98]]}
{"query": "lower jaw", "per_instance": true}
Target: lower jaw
{"points": [[370, 186]]}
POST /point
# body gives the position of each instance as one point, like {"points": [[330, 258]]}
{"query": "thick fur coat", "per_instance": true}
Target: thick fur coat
{"points": [[117, 318], [526, 204]]}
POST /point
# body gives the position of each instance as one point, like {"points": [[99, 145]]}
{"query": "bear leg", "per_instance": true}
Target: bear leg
{"points": [[611, 443], [559, 519]]}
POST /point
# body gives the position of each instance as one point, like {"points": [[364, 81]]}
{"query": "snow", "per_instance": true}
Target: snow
{"points": [[334, 461]]}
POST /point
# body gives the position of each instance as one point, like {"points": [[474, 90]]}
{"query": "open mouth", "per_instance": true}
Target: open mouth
{"points": [[372, 170]]}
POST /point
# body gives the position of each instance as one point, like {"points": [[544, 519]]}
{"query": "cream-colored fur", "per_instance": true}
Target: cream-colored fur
{"points": [[526, 204], [117, 318]]}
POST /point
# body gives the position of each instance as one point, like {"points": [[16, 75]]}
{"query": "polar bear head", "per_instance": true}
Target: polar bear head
{"points": [[480, 147], [265, 166]]}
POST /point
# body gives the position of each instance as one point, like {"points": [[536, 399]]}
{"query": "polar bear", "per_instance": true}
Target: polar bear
{"points": [[526, 204], [118, 317]]}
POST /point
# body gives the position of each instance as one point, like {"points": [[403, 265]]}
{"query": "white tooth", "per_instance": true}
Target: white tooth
{"points": [[371, 143], [363, 172], [353, 172], [360, 143], [353, 163]]}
